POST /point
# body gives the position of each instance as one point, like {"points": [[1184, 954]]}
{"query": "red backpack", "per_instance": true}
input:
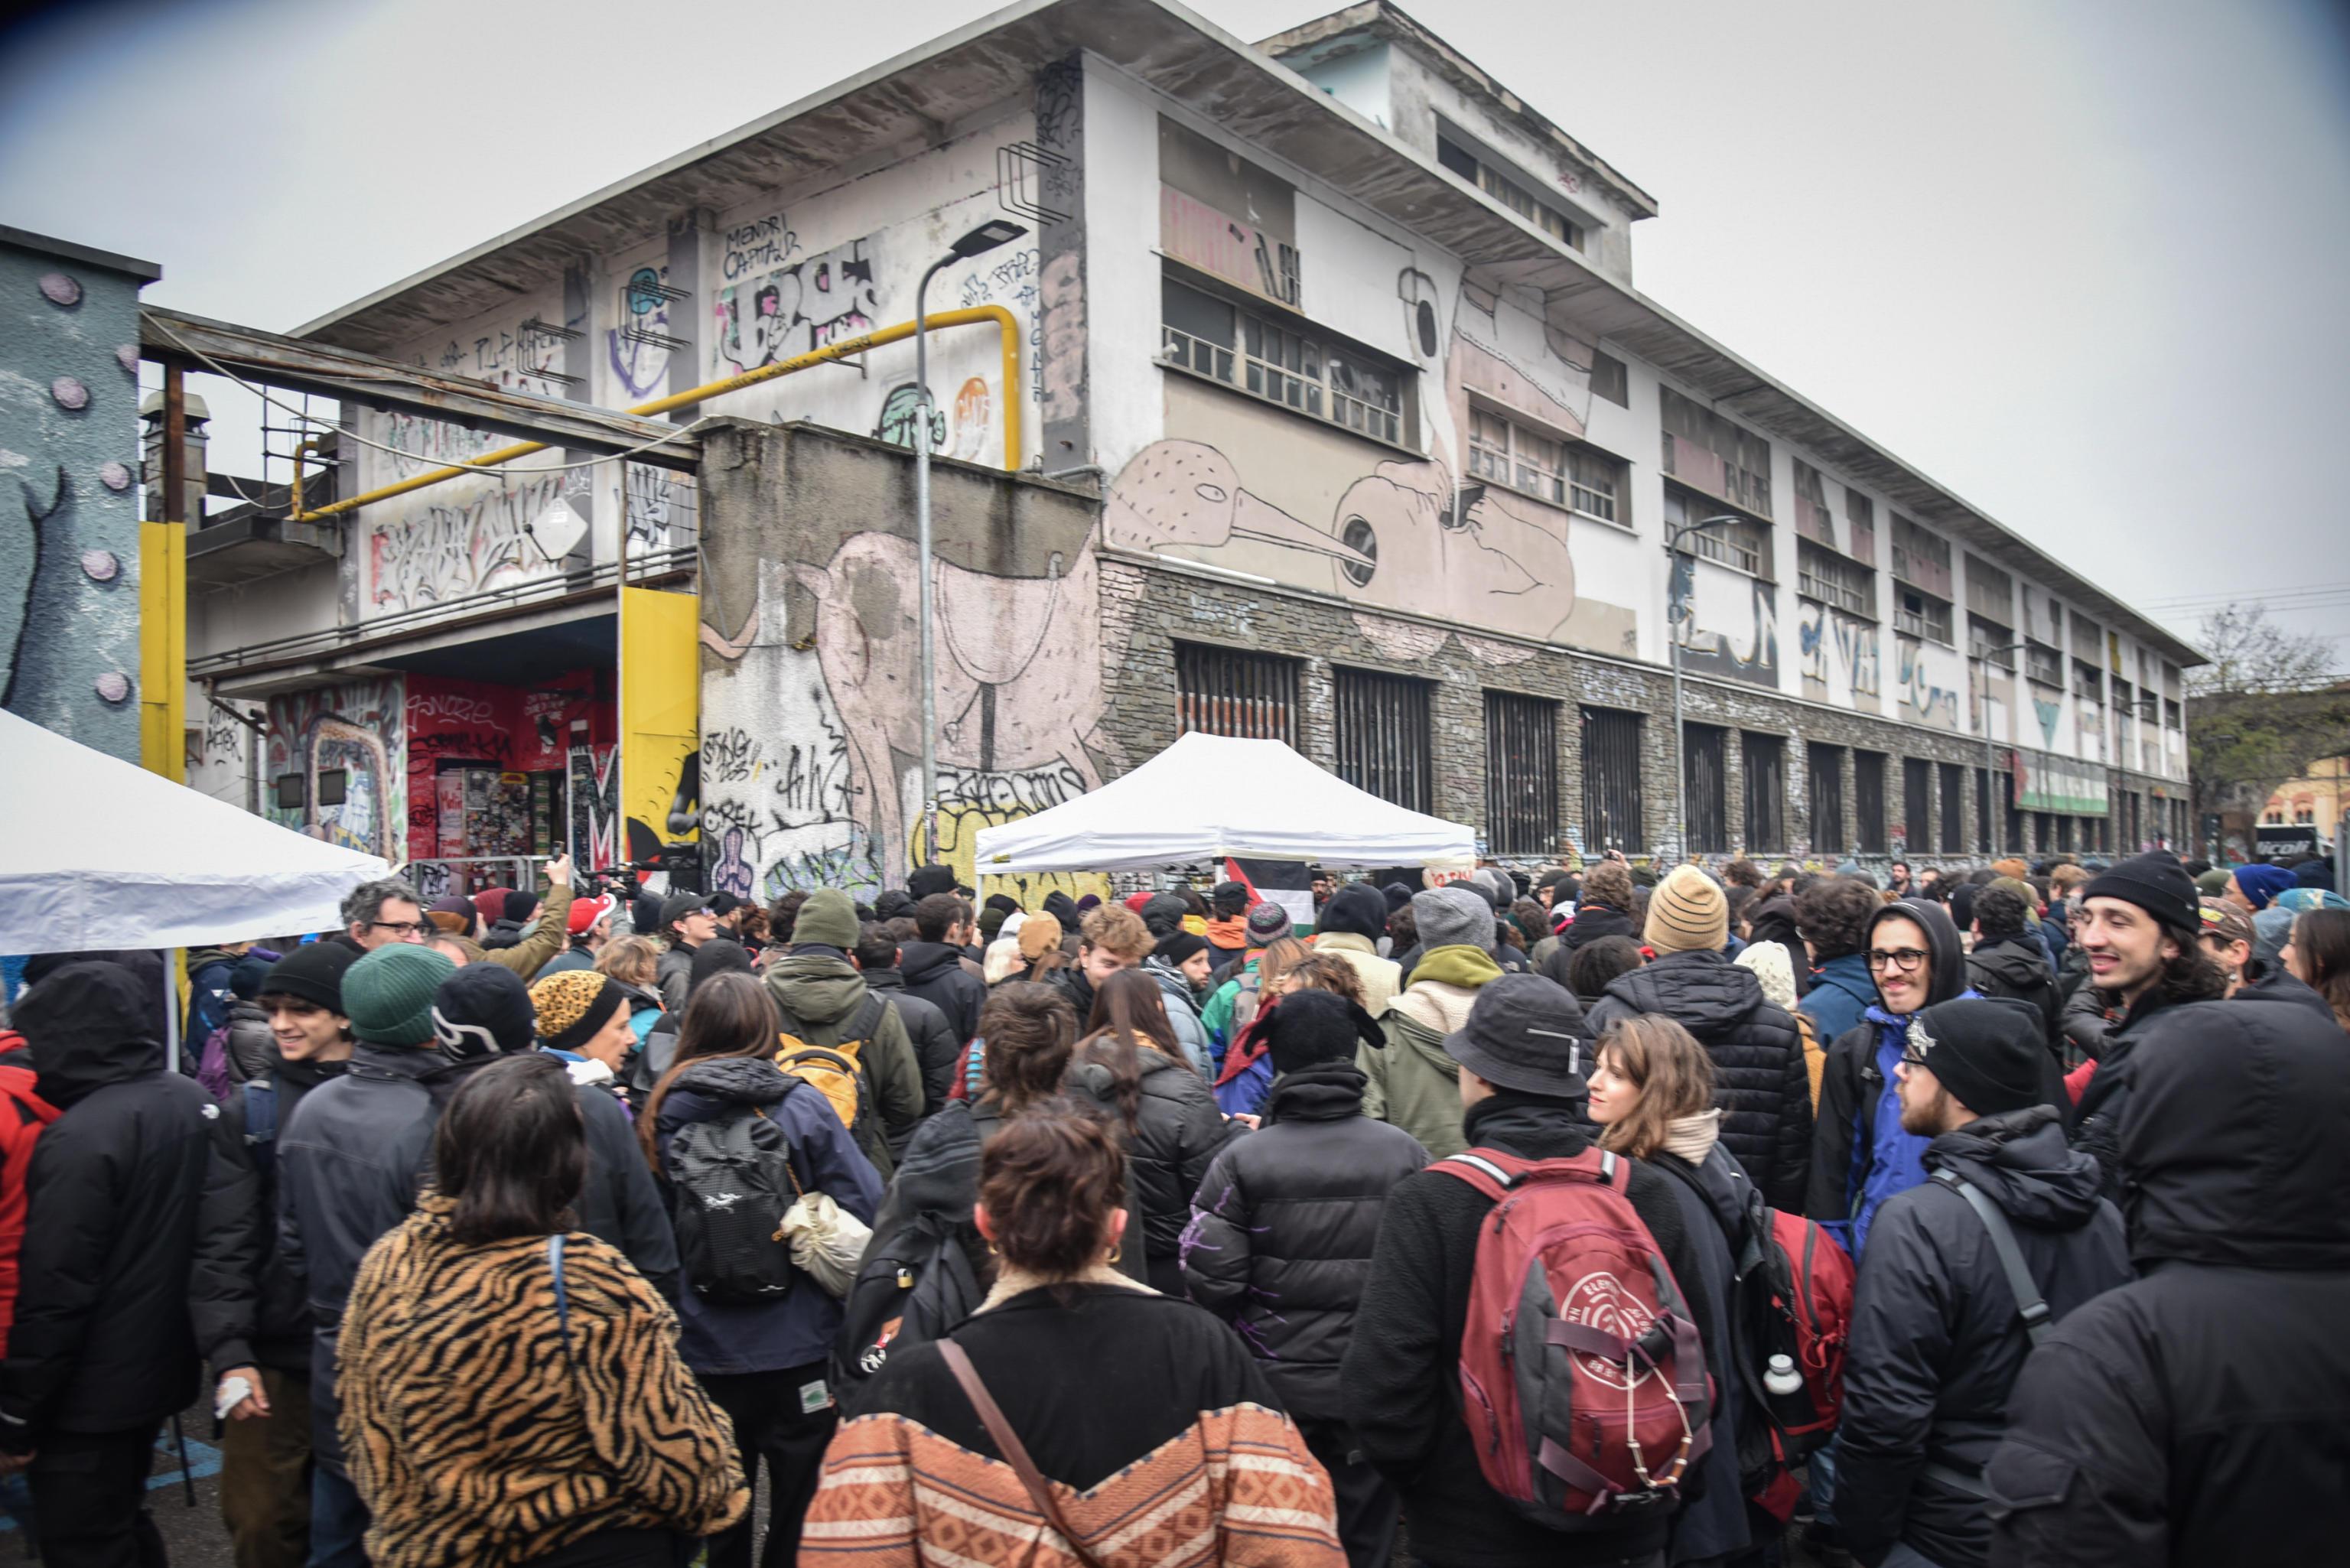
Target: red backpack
{"points": [[1794, 1299], [1582, 1377]]}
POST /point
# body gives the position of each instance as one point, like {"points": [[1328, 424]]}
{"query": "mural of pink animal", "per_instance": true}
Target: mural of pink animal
{"points": [[1019, 673]]}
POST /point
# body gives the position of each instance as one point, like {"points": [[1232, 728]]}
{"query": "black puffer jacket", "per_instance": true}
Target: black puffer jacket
{"points": [[1760, 1080], [1402, 1368], [1178, 1133], [248, 1304], [102, 1339], [1282, 1229], [1936, 1341], [937, 973], [2195, 1415], [2097, 1119], [2013, 967], [937, 1047]]}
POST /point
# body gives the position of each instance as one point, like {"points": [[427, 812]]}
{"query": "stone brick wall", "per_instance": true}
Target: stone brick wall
{"points": [[1149, 607]]}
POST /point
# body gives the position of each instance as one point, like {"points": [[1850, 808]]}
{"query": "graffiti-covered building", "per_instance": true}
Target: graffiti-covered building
{"points": [[1315, 398]]}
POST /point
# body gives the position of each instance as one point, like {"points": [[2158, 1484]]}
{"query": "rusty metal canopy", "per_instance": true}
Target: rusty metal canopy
{"points": [[357, 377]]}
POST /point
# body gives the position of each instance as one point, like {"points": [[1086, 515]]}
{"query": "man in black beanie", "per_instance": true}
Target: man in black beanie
{"points": [[1940, 1327], [1282, 1234], [2138, 928], [245, 1299]]}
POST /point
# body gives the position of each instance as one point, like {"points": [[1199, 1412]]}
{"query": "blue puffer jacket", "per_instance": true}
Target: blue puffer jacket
{"points": [[723, 1338]]}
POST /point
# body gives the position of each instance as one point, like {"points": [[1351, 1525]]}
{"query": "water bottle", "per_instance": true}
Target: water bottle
{"points": [[1780, 1378]]}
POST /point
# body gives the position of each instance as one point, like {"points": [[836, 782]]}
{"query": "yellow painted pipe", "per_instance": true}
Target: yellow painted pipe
{"points": [[295, 493], [1008, 339]]}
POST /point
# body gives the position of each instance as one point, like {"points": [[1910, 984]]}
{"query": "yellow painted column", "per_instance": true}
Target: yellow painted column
{"points": [[661, 715], [163, 649]]}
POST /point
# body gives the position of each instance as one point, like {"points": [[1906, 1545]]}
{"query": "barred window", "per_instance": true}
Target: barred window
{"points": [[1869, 800], [1824, 768], [1766, 790], [1383, 735], [1220, 692], [1521, 775], [1705, 786], [1611, 782]]}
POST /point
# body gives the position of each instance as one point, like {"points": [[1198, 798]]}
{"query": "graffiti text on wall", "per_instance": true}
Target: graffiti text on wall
{"points": [[796, 308], [440, 551]]}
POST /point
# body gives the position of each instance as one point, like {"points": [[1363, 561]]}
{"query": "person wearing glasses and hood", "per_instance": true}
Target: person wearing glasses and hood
{"points": [[1860, 1154]]}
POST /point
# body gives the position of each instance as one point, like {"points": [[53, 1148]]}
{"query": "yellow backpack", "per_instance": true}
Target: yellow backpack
{"points": [[838, 1069]]}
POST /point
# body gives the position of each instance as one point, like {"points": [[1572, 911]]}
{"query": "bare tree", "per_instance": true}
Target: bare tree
{"points": [[2269, 704]]}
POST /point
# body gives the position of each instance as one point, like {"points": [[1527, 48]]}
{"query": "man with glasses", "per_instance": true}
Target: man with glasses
{"points": [[386, 910], [1941, 1322], [1861, 1152], [1861, 1155]]}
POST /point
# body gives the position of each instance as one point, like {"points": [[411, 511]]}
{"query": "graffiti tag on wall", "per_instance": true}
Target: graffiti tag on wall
{"points": [[796, 308], [355, 729]]}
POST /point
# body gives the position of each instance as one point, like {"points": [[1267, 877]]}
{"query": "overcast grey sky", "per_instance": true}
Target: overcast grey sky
{"points": [[2083, 263]]}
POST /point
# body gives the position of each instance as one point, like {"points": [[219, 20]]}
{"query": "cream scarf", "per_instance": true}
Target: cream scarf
{"points": [[1693, 1138], [1011, 1282]]}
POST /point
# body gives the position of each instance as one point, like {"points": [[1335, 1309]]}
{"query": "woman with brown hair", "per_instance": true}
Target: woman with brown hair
{"points": [[1076, 1417], [512, 1390], [763, 1358], [1652, 1097], [1026, 1033], [2317, 954], [1174, 1131]]}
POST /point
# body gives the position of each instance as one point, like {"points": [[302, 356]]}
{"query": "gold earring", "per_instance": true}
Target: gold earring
{"points": [[1117, 1250], [994, 1250]]}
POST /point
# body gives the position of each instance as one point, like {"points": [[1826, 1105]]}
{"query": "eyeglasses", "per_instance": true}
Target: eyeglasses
{"points": [[403, 929], [1911, 1057], [1903, 958]]}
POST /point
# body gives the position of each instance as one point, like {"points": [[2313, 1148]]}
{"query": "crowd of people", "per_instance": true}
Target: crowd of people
{"points": [[1596, 1214]]}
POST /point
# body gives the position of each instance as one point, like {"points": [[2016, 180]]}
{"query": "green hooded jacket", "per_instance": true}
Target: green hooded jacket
{"points": [[1413, 1083]]}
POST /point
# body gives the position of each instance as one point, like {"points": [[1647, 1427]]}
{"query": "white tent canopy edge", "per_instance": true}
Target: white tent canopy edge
{"points": [[1208, 796], [97, 853]]}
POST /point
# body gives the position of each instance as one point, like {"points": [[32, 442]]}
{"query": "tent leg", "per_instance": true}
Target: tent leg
{"points": [[171, 1011]]}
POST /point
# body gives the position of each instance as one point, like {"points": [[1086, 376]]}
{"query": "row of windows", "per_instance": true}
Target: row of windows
{"points": [[1213, 336], [1726, 471], [1384, 744], [1453, 152]]}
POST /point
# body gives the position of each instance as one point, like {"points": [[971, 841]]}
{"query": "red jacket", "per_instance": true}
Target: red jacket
{"points": [[23, 1115]]}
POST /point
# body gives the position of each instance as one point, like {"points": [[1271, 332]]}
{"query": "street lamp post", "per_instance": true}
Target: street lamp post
{"points": [[1673, 537], [1983, 656], [981, 240]]}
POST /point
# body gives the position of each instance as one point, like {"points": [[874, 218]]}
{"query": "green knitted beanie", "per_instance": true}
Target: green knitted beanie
{"points": [[388, 994], [829, 918]]}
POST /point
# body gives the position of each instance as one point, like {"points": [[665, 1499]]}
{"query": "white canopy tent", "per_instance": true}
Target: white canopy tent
{"points": [[97, 853], [1208, 796]]}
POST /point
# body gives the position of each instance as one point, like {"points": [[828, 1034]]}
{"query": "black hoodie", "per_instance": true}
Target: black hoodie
{"points": [[102, 1340], [2198, 1415], [1760, 1079], [1936, 1342], [935, 973]]}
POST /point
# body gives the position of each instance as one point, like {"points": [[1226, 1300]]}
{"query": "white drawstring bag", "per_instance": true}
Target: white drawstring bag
{"points": [[827, 1242]]}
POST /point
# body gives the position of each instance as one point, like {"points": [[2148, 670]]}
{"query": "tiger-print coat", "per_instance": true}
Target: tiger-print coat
{"points": [[471, 1436]]}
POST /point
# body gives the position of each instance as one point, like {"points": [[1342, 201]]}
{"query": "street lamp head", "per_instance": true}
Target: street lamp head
{"points": [[986, 238]]}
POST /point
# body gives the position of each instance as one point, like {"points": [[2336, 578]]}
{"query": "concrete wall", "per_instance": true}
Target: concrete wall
{"points": [[774, 275], [69, 467], [810, 708]]}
